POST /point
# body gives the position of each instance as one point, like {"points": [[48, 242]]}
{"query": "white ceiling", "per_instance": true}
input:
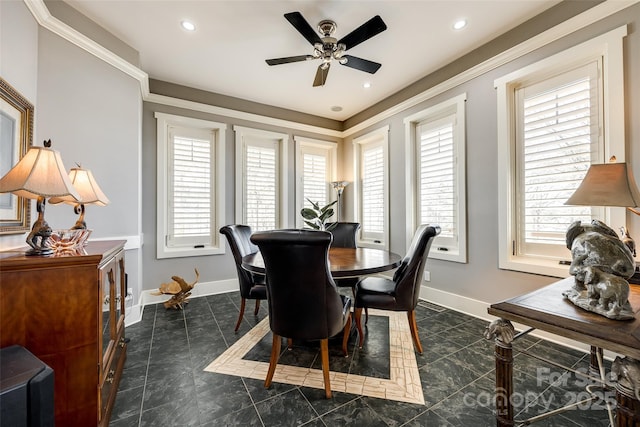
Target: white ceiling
{"points": [[226, 54]]}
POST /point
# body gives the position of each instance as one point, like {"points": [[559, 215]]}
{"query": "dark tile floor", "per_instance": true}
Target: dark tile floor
{"points": [[164, 382]]}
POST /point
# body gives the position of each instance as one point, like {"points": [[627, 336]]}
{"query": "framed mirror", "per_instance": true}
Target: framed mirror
{"points": [[16, 137]]}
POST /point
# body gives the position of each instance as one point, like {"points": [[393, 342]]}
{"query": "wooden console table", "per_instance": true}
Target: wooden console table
{"points": [[548, 310], [68, 310]]}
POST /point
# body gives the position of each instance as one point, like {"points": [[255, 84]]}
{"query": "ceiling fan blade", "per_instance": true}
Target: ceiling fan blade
{"points": [[321, 75], [361, 64], [364, 32], [288, 59], [297, 20]]}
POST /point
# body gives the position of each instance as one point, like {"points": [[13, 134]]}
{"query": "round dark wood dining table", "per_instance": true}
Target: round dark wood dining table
{"points": [[343, 262]]}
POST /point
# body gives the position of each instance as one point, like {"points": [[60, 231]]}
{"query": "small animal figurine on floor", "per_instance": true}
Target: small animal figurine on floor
{"points": [[180, 289]]}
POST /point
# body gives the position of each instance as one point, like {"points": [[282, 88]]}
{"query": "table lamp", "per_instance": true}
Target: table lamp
{"points": [[90, 194], [39, 174], [339, 187], [609, 184]]}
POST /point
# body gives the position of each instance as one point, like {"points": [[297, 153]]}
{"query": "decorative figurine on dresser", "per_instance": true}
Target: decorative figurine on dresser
{"points": [[68, 311], [601, 264]]}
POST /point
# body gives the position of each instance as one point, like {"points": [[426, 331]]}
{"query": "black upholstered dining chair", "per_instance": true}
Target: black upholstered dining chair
{"points": [[304, 303], [345, 236], [252, 286], [400, 293]]}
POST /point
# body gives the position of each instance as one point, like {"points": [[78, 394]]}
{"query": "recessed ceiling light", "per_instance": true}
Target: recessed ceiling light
{"points": [[336, 108], [188, 25], [460, 24], [366, 85]]}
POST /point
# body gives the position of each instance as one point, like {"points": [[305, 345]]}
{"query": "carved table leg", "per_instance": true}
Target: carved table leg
{"points": [[503, 332], [594, 367], [627, 371]]}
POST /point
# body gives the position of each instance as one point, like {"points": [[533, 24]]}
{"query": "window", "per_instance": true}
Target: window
{"points": [[316, 163], [436, 176], [372, 187], [261, 190], [190, 186], [555, 119]]}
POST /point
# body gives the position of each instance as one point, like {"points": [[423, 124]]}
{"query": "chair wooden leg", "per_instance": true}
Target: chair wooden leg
{"points": [[289, 343], [255, 312], [275, 355], [414, 330], [358, 314], [345, 336], [242, 304], [324, 352]]}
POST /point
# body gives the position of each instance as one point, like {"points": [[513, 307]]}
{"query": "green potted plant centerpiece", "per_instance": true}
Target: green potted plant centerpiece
{"points": [[317, 217]]}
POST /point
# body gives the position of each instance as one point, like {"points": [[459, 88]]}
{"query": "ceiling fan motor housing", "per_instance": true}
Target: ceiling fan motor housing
{"points": [[327, 27]]}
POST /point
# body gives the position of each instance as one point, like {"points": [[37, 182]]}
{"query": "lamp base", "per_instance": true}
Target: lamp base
{"points": [[39, 252], [40, 233]]}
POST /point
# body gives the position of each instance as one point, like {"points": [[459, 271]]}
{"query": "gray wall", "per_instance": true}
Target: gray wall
{"points": [[91, 112], [18, 66]]}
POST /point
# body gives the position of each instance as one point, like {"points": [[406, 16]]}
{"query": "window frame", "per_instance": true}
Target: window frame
{"points": [[282, 188], [164, 122], [330, 150], [608, 50], [376, 137], [454, 106]]}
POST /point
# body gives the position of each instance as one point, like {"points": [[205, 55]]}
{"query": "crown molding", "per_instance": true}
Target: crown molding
{"points": [[235, 114], [43, 16]]}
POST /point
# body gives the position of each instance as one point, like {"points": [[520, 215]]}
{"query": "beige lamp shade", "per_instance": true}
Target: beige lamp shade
{"points": [[87, 187], [40, 173], [609, 184]]}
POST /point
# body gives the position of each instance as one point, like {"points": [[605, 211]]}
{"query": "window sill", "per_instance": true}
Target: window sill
{"points": [[189, 252], [535, 266]]}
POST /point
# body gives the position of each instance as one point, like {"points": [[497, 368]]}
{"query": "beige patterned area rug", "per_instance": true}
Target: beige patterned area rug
{"points": [[402, 385]]}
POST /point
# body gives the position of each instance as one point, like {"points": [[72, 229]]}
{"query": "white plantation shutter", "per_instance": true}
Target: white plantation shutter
{"points": [[190, 202], [315, 179], [436, 175], [315, 168], [261, 180], [261, 170], [191, 180], [555, 117], [558, 135], [373, 192], [437, 183]]}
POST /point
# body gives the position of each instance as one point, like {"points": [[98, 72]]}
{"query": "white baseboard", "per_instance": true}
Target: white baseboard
{"points": [[478, 309], [134, 313]]}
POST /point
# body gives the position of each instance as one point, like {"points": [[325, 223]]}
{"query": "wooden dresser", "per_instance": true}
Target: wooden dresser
{"points": [[68, 310]]}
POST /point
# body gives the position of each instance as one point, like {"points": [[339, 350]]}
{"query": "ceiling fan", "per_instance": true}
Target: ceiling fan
{"points": [[328, 48]]}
